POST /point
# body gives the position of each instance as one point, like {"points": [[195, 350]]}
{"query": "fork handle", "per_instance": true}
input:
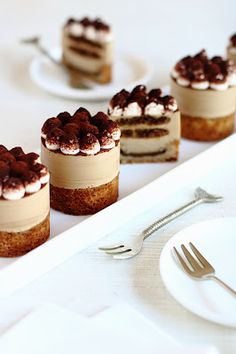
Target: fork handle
{"points": [[226, 286], [168, 218]]}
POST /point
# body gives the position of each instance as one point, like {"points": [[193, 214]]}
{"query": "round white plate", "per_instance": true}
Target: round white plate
{"points": [[216, 240], [128, 72]]}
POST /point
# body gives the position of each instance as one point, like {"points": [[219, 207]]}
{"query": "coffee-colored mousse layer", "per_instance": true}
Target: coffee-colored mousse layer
{"points": [[204, 104], [25, 213], [84, 201], [14, 244], [203, 129], [81, 172]]}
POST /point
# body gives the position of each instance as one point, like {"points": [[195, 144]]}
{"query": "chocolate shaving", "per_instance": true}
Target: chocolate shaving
{"points": [[97, 23], [201, 68], [16, 168]]}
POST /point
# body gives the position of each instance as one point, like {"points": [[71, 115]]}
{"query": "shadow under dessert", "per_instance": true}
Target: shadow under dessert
{"points": [[150, 125], [87, 51], [24, 202], [82, 153], [205, 90]]}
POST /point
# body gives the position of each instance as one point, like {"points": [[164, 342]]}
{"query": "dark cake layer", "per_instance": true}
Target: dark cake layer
{"points": [[14, 244], [84, 201]]}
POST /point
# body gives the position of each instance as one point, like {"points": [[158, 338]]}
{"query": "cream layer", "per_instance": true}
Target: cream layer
{"points": [[173, 126], [205, 103], [80, 172], [146, 145], [23, 214], [82, 45], [168, 114], [82, 62]]}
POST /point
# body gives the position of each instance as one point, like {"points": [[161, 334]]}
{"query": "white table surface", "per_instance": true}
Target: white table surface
{"points": [[90, 281]]}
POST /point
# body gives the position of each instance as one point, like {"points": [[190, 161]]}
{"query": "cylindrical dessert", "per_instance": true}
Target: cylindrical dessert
{"points": [[87, 50], [24, 202], [231, 49], [149, 123], [82, 153], [205, 90]]}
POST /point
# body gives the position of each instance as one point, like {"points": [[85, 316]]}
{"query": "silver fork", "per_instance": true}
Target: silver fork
{"points": [[122, 251], [198, 267], [36, 41]]}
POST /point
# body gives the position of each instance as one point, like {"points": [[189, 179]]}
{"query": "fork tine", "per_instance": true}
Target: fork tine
{"points": [[183, 263], [123, 256], [113, 252], [200, 256], [195, 265], [110, 248]]}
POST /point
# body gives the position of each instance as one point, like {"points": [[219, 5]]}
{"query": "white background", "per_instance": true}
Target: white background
{"points": [[162, 31]]}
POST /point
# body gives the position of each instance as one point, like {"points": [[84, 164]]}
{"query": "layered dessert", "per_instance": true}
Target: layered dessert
{"points": [[231, 49], [149, 123], [24, 202], [82, 153], [87, 50], [205, 90]]}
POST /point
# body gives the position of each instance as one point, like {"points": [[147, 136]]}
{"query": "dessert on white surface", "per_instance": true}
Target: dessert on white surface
{"points": [[87, 50], [149, 123], [205, 89]]}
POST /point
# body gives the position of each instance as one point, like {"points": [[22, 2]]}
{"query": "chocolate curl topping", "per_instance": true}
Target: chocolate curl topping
{"points": [[7, 157], [154, 94], [200, 68], [19, 168], [55, 134], [71, 128], [30, 177], [138, 95], [97, 23], [64, 117], [88, 141], [88, 128], [50, 124], [4, 170], [17, 151], [119, 100], [82, 113], [30, 158], [99, 119], [69, 141], [3, 149], [80, 125], [13, 183], [16, 168]]}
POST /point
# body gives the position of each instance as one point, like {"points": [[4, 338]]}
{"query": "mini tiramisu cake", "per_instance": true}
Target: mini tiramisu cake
{"points": [[82, 153], [24, 202], [149, 123], [87, 50], [231, 49], [205, 90]]}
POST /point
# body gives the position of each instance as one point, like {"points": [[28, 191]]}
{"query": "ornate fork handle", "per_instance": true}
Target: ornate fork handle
{"points": [[201, 196], [168, 218]]}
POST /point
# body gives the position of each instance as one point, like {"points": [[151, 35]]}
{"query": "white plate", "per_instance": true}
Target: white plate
{"points": [[129, 71], [217, 242]]}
